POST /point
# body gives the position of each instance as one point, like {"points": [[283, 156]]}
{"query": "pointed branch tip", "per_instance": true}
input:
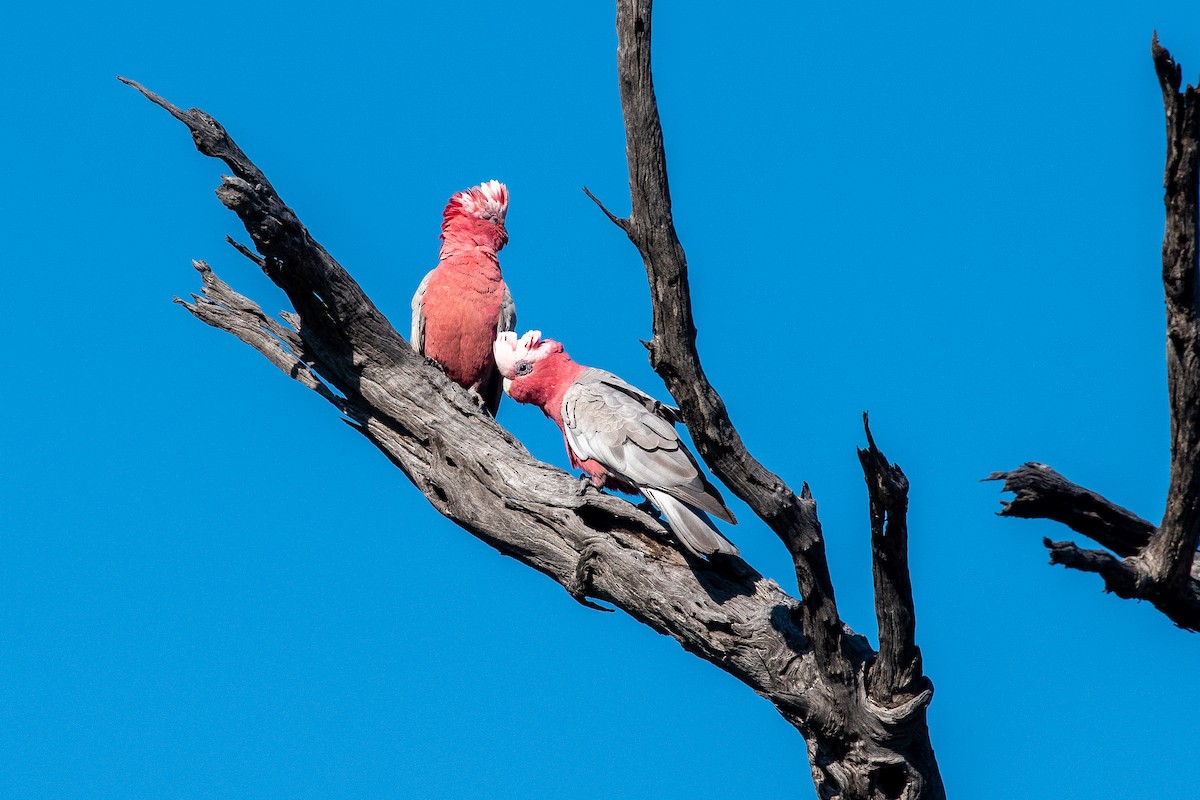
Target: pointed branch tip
{"points": [[867, 428], [246, 251], [621, 223]]}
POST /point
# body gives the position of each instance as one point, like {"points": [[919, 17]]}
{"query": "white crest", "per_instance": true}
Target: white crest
{"points": [[488, 200], [508, 350]]}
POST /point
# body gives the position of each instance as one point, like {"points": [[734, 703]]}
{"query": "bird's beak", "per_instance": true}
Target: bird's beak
{"points": [[507, 386]]}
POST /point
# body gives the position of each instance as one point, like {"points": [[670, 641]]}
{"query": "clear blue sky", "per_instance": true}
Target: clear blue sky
{"points": [[951, 216]]}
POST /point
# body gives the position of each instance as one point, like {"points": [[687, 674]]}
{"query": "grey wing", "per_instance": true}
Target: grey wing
{"points": [[508, 313], [669, 413], [607, 423], [491, 389], [418, 315]]}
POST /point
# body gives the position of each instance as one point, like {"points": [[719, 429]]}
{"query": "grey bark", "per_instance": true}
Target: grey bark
{"points": [[909, 769], [861, 712], [1151, 563]]}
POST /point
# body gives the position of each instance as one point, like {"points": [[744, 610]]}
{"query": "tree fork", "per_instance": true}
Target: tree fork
{"points": [[867, 737], [1156, 564]]}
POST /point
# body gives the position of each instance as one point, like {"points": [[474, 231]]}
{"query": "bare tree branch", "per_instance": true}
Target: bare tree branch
{"points": [[1168, 558], [1123, 578], [1043, 493], [476, 474], [897, 670], [221, 307], [1120, 576], [620, 222], [1159, 564], [673, 352], [908, 769], [862, 743]]}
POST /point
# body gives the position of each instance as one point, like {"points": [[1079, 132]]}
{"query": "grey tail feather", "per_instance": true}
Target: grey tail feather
{"points": [[691, 526], [703, 497]]}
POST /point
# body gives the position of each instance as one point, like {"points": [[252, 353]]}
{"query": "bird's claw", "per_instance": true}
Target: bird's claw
{"points": [[476, 397]]}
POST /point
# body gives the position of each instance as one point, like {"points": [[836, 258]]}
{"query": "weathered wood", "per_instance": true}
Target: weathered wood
{"points": [[673, 353], [1159, 563], [477, 474], [897, 670], [883, 748], [862, 742], [1167, 560], [1042, 493]]}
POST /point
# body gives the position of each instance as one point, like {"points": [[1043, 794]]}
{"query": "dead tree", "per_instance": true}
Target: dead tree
{"points": [[1150, 563], [862, 712]]}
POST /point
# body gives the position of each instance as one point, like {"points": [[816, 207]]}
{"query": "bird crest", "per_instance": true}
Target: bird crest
{"points": [[488, 201], [531, 347]]}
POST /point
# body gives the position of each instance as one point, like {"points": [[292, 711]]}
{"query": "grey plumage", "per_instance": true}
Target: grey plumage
{"points": [[492, 388], [631, 434], [691, 527], [418, 315]]}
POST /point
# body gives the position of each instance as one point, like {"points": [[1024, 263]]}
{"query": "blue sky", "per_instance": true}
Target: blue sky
{"points": [[950, 216]]}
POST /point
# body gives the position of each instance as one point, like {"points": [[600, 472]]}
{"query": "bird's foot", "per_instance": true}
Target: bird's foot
{"points": [[585, 483], [476, 397]]}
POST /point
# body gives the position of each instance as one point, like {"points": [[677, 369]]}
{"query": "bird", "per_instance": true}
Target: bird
{"points": [[463, 303], [617, 435]]}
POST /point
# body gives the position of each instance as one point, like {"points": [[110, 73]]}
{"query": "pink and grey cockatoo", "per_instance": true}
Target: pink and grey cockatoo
{"points": [[462, 304], [617, 435]]}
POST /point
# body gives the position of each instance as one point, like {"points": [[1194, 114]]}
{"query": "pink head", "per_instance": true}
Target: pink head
{"points": [[535, 370], [478, 214]]}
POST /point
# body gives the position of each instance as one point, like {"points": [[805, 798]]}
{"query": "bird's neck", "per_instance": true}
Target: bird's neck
{"points": [[555, 374], [460, 247], [466, 234], [469, 261]]}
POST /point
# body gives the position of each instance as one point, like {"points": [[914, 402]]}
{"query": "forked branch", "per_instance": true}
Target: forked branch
{"points": [[800, 656], [897, 670], [474, 472], [1042, 493], [1158, 564], [673, 352], [898, 690]]}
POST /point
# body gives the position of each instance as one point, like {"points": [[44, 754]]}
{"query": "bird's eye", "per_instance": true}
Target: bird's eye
{"points": [[524, 368]]}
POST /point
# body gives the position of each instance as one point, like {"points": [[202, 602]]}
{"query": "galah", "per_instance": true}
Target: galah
{"points": [[618, 435], [462, 304]]}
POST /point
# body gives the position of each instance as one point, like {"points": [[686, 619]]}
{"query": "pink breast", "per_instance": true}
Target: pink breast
{"points": [[461, 314]]}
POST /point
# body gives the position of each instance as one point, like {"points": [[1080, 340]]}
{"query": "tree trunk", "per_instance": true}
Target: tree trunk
{"points": [[1151, 563], [861, 712]]}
